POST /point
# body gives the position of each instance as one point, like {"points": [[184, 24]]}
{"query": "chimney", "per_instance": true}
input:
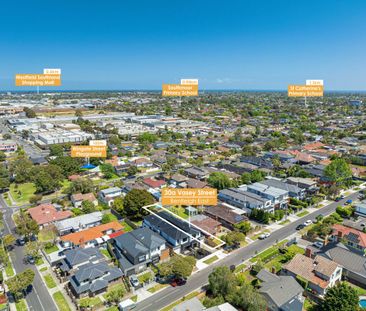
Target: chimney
{"points": [[339, 234], [308, 252], [273, 270]]}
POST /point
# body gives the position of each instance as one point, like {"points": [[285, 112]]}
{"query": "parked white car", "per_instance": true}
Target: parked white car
{"points": [[264, 235], [308, 222]]}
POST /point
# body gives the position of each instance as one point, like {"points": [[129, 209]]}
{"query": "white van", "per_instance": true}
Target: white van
{"points": [[126, 305]]}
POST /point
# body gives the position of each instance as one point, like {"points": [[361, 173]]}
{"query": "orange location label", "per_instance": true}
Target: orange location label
{"points": [[189, 196], [180, 90], [305, 90], [88, 151], [37, 80]]}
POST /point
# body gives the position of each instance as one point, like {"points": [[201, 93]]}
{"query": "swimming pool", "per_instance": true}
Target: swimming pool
{"points": [[363, 303]]}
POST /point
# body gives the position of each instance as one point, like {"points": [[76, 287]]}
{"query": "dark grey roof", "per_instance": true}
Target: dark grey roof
{"points": [[167, 228], [281, 185], [139, 241], [281, 289], [77, 256], [346, 258], [94, 277]]}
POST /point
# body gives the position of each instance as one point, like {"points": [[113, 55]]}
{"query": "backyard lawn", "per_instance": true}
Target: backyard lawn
{"points": [[50, 282], [61, 301], [22, 193], [360, 291], [105, 253], [180, 211], [93, 302], [126, 226]]}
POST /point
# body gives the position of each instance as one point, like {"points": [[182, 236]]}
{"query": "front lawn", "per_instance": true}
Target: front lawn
{"points": [[93, 302], [21, 305], [302, 214], [269, 252], [145, 277], [39, 261], [46, 235], [9, 269], [22, 192], [50, 282], [211, 260], [61, 301], [155, 288], [285, 222]]}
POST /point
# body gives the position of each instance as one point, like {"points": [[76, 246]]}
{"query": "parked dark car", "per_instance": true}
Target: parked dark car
{"points": [[21, 241], [301, 226], [178, 282], [29, 259]]}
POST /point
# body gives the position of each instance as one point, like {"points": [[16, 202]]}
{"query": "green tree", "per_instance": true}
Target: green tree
{"points": [[107, 218], [114, 140], [2, 156], [247, 298], [132, 170], [29, 112], [21, 167], [18, 283], [256, 176], [340, 297], [107, 170], [135, 200], [243, 226], [246, 178], [338, 171], [221, 281], [8, 240], [56, 150], [32, 249], [81, 185], [26, 226], [88, 207], [68, 165], [47, 178], [234, 237], [219, 180], [115, 294], [118, 205]]}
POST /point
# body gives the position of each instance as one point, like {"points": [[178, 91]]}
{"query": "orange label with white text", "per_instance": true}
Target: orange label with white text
{"points": [[189, 196], [180, 90], [305, 90], [37, 80], [88, 151]]}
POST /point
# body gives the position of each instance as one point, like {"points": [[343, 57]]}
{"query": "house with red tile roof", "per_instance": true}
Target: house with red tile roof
{"points": [[154, 183], [353, 238], [93, 236], [46, 214], [78, 198], [319, 273], [313, 146]]}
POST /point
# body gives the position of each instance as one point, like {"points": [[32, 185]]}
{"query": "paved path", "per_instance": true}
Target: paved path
{"points": [[199, 279]]}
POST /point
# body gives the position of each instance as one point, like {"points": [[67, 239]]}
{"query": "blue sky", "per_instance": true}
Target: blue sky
{"points": [[120, 44]]}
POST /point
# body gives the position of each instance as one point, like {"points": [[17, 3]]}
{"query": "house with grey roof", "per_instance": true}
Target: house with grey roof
{"points": [[282, 293], [178, 233], [108, 195], [293, 191], [278, 197], [245, 200], [77, 257], [92, 279], [136, 249], [78, 223]]}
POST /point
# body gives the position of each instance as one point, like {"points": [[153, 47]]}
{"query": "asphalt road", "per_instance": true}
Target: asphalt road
{"points": [[199, 279], [38, 298]]}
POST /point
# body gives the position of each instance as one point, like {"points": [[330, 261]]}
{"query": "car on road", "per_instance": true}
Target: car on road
{"points": [[348, 202], [29, 259], [318, 244], [134, 281], [21, 241], [264, 235], [301, 226], [178, 282], [308, 223]]}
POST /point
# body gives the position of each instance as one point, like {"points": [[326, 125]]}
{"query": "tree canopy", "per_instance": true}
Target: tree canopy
{"points": [[135, 200]]}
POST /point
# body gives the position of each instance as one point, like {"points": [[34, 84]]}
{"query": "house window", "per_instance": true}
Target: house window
{"points": [[141, 258]]}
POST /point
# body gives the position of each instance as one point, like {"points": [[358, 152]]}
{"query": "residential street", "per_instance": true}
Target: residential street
{"points": [[39, 298], [197, 280]]}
